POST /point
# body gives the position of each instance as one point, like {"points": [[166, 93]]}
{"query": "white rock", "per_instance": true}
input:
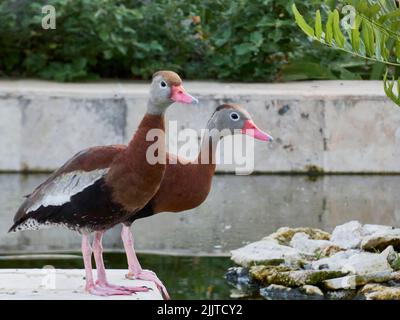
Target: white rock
{"points": [[369, 229], [348, 235], [311, 290], [352, 281], [334, 262], [381, 239], [279, 292], [265, 252], [390, 254], [302, 242], [366, 262], [360, 263], [347, 282], [374, 291], [285, 234]]}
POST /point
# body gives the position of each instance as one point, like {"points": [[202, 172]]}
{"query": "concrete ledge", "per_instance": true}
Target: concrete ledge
{"points": [[63, 284], [330, 126], [133, 89]]}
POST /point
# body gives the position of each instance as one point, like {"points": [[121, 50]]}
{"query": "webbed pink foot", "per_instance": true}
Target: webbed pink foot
{"points": [[128, 290], [105, 292], [149, 275]]}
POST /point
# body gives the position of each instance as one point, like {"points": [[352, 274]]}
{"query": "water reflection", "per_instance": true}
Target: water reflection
{"points": [[240, 209]]}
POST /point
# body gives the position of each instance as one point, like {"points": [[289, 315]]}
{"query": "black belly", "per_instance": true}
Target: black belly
{"points": [[89, 210], [146, 211]]}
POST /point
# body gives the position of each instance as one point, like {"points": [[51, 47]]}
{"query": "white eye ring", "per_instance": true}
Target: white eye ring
{"points": [[163, 84], [234, 116]]}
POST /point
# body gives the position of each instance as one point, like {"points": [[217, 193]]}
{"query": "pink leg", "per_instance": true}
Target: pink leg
{"points": [[135, 269], [101, 271], [91, 287]]}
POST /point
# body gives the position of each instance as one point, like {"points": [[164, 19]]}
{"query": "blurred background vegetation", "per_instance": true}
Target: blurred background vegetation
{"points": [[242, 40]]}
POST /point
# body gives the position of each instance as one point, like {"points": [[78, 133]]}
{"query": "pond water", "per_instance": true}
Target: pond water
{"points": [[239, 210], [184, 277], [189, 251]]}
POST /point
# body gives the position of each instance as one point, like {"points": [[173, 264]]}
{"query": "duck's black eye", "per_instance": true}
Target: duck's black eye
{"points": [[163, 84], [234, 116]]}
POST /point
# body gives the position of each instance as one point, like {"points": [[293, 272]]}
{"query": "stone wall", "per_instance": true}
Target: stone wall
{"points": [[330, 126]]}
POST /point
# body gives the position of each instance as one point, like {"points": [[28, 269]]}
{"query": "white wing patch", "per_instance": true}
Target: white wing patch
{"points": [[61, 189]]}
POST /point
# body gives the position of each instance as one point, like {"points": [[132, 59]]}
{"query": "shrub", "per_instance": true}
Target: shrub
{"points": [[243, 40]]}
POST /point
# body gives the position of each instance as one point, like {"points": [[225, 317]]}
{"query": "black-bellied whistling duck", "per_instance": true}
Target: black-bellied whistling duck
{"points": [[103, 186], [186, 184]]}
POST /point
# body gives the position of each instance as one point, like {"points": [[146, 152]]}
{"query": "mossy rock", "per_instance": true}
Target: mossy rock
{"points": [[291, 278], [379, 292], [395, 264], [285, 234], [272, 275], [279, 292], [329, 251]]}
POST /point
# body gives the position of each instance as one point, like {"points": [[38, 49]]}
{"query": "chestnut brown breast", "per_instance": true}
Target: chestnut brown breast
{"points": [[132, 178], [184, 186]]}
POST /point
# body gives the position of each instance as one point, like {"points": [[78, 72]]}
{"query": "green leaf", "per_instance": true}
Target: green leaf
{"points": [[329, 29], [154, 45], [355, 36], [374, 10], [368, 38], [378, 43], [397, 49], [337, 33], [388, 86], [318, 25], [302, 70], [103, 35], [301, 22], [377, 71], [244, 48], [256, 38], [223, 38], [107, 54], [389, 16], [122, 49], [348, 75]]}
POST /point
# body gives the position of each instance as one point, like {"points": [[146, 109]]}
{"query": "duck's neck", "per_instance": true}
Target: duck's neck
{"points": [[150, 134], [156, 109], [153, 119], [149, 122], [207, 154], [134, 172]]}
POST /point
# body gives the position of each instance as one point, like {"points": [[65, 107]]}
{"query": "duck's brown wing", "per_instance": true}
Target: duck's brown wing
{"points": [[82, 171]]}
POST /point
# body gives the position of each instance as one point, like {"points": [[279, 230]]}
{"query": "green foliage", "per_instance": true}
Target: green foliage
{"points": [[88, 37], [391, 91], [243, 40], [372, 44], [374, 35]]}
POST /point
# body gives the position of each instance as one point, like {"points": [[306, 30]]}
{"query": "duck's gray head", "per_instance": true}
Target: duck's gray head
{"points": [[166, 88], [234, 118]]}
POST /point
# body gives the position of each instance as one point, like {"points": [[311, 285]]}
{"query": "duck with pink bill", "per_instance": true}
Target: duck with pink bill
{"points": [[103, 186], [186, 184]]}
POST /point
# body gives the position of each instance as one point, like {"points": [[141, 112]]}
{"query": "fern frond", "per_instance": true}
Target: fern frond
{"points": [[368, 39], [392, 91], [373, 36]]}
